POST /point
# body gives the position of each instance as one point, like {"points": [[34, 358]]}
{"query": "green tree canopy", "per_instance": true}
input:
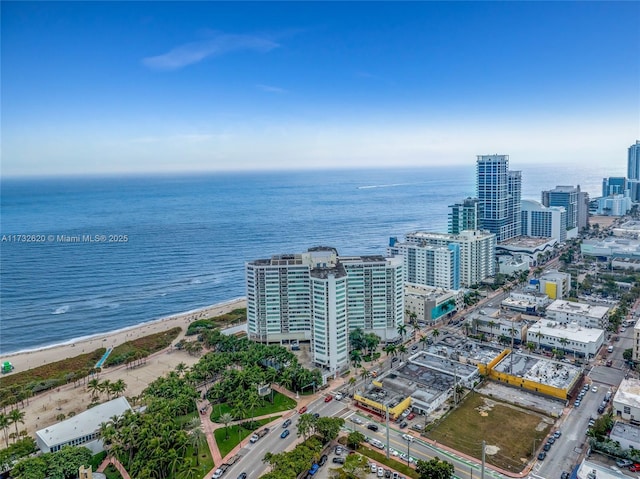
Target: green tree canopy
{"points": [[435, 469]]}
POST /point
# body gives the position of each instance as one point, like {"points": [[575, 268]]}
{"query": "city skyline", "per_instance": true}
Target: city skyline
{"points": [[94, 87]]}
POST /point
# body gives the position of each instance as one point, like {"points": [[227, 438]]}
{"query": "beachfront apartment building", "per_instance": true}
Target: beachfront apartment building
{"points": [[584, 314], [473, 251], [437, 266], [319, 296], [465, 216], [567, 197], [539, 221]]}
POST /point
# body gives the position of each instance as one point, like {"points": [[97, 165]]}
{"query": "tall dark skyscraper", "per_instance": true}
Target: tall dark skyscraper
{"points": [[633, 165], [566, 196], [499, 192]]}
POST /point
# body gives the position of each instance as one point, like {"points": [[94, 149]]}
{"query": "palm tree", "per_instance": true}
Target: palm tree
{"points": [[531, 346], [118, 387], [402, 330], [16, 416], [4, 424], [424, 340], [197, 438], [356, 357], [181, 368], [390, 349], [435, 333], [225, 419], [539, 336], [94, 387], [364, 374], [564, 342], [491, 324], [402, 349], [352, 382]]}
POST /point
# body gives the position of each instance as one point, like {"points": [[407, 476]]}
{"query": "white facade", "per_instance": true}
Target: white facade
{"points": [[614, 205], [319, 296], [82, 429], [584, 314], [375, 292], [626, 400], [476, 251], [330, 332], [539, 221], [431, 304], [435, 266], [571, 338], [636, 341]]}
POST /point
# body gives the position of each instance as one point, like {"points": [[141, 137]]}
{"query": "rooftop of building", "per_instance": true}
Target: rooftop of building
{"points": [[630, 225], [534, 293], [594, 470], [323, 272], [571, 331], [544, 371], [583, 309], [517, 303], [83, 424], [374, 258], [385, 395], [463, 235], [525, 241], [626, 431], [564, 189], [628, 393], [427, 292], [463, 350], [552, 274], [612, 242]]}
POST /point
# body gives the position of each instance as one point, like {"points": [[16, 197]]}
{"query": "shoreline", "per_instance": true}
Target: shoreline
{"points": [[30, 358]]}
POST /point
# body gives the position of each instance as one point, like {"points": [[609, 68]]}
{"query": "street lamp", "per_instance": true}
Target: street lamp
{"points": [[409, 451]]}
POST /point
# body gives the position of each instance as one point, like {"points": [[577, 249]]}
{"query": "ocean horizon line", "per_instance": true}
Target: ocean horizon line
{"points": [[7, 355]]}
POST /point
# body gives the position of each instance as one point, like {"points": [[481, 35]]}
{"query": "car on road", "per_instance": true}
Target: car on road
{"points": [[323, 460], [243, 475], [600, 409], [328, 398], [565, 475], [407, 437], [284, 434], [217, 474], [394, 359], [624, 463], [316, 415], [372, 427], [338, 396], [635, 468], [286, 424], [356, 420], [302, 410], [541, 456]]}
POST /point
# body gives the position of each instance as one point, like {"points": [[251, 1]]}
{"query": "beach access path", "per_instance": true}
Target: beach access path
{"points": [[42, 410]]}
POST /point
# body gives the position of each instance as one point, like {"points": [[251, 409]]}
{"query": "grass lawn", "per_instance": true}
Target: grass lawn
{"points": [[509, 428], [111, 472], [236, 434], [280, 403], [205, 459]]}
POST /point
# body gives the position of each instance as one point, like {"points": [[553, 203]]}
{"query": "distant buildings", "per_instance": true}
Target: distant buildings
{"points": [[573, 201], [465, 216], [633, 162], [320, 296], [539, 221], [430, 304], [499, 193], [82, 429], [475, 251], [611, 247]]}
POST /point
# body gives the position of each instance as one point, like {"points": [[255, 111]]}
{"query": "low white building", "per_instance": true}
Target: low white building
{"points": [[570, 338], [498, 323], [82, 429], [626, 434], [582, 313], [626, 401], [525, 301]]}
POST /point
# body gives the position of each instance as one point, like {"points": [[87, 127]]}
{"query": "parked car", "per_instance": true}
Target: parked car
{"points": [[551, 440], [284, 434], [557, 434], [338, 450], [565, 475], [542, 455], [387, 473], [411, 416], [624, 463], [394, 359], [323, 460], [403, 424], [594, 389], [373, 467], [635, 468], [286, 424], [338, 460], [546, 447], [380, 472]]}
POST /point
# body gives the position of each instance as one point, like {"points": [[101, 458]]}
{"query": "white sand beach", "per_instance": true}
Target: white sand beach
{"points": [[43, 409]]}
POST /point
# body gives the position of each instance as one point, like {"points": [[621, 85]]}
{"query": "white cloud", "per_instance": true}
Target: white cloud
{"points": [[218, 44], [271, 89]]}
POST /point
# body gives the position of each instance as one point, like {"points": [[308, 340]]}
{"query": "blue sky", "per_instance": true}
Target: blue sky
{"points": [[125, 87]]}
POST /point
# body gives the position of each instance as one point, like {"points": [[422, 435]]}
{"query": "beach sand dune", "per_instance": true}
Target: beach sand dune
{"points": [[43, 409]]}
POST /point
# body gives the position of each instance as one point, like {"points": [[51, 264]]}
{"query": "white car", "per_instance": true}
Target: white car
{"points": [[407, 437], [380, 472], [373, 467], [594, 389], [356, 420]]}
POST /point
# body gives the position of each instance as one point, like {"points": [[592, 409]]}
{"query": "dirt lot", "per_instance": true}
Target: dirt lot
{"points": [[509, 431]]}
